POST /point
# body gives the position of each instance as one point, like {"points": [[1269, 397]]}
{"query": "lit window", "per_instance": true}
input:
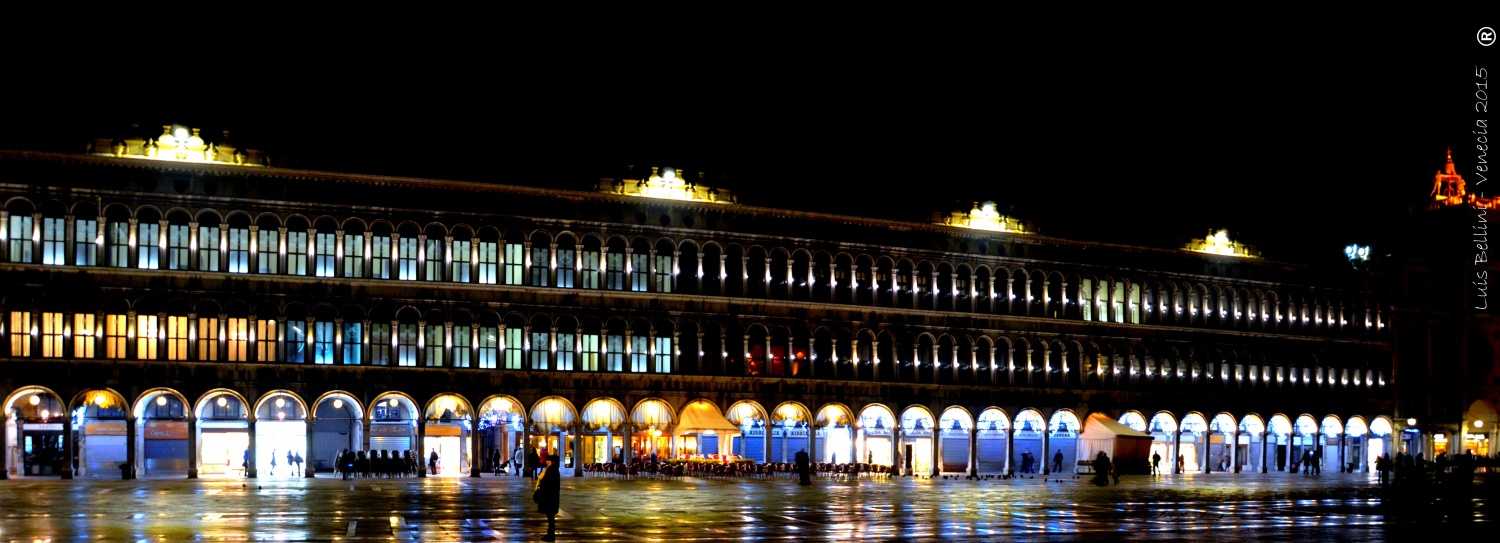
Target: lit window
{"points": [[239, 250], [406, 344], [208, 339], [462, 250], [614, 355], [354, 256], [407, 258], [20, 238], [432, 346], [267, 251], [353, 339], [296, 253], [663, 355], [178, 239], [513, 347], [117, 244], [590, 353], [54, 240], [639, 266], [590, 266], [146, 333], [514, 259], [116, 329], [380, 343], [488, 262], [463, 343], [434, 256], [541, 261], [664, 276], [565, 271], [540, 348], [614, 276], [239, 338], [296, 341], [148, 236], [565, 353], [208, 248], [639, 350], [322, 342], [52, 335], [325, 253], [489, 341], [83, 335], [265, 340]]}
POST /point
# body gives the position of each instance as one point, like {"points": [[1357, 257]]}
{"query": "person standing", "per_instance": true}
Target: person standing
{"points": [[548, 495], [1057, 462], [804, 467], [273, 462], [516, 460], [297, 459], [432, 463], [1102, 469], [1155, 464], [290, 462], [532, 461]]}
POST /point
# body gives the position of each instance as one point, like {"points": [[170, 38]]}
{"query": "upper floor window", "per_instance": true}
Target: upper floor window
{"points": [[20, 238], [614, 352], [208, 248], [541, 261], [148, 241], [267, 248], [407, 258], [640, 264], [514, 341], [265, 340], [52, 334], [54, 240], [462, 251], [239, 250], [565, 271], [83, 335], [380, 343], [539, 350], [489, 343], [589, 352], [406, 344], [296, 341], [116, 336], [663, 355], [590, 266], [565, 354], [146, 332], [433, 254], [238, 338], [353, 339], [640, 348], [20, 333], [325, 249], [463, 345], [117, 244], [663, 273], [322, 342], [432, 345], [178, 241], [614, 273], [354, 255], [488, 262], [177, 337], [296, 253], [515, 258]]}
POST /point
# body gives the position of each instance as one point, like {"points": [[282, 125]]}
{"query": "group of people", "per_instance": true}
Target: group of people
{"points": [[1104, 469], [293, 463], [1312, 462], [377, 463]]}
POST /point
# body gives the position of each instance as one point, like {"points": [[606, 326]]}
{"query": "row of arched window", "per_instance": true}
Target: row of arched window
{"points": [[177, 330], [206, 241]]}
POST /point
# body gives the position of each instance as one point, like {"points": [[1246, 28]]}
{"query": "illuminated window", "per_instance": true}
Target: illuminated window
{"points": [[380, 343], [148, 236], [488, 262], [565, 270], [407, 258], [434, 256], [539, 350], [296, 341], [590, 266], [565, 351], [178, 238], [322, 342], [614, 354], [515, 257], [325, 253], [52, 335], [640, 349], [463, 343], [239, 338], [432, 345], [20, 238], [589, 357], [83, 335], [353, 339], [84, 249], [462, 250], [116, 329], [541, 261], [513, 346], [177, 337], [265, 340], [663, 355], [54, 240], [406, 344], [664, 278], [380, 257], [489, 341], [239, 250], [639, 265], [267, 251], [208, 339], [296, 253], [614, 276], [208, 248], [354, 255], [146, 333], [117, 244]]}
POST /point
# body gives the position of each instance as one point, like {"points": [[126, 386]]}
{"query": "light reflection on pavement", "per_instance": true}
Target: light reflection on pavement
{"points": [[1216, 507]]}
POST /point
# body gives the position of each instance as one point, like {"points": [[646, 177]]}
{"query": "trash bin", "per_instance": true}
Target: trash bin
{"points": [[125, 470]]}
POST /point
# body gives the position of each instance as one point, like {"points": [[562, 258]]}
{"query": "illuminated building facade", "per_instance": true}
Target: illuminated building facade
{"points": [[200, 314]]}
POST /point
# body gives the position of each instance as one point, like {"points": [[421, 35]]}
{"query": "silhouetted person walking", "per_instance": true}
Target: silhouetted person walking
{"points": [[804, 467], [533, 460], [548, 495]]}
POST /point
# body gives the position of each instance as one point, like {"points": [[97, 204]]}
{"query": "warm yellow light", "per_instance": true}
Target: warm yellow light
{"points": [[161, 400], [338, 403], [35, 399], [100, 399], [502, 404], [280, 403], [392, 403], [1479, 424], [223, 401]]}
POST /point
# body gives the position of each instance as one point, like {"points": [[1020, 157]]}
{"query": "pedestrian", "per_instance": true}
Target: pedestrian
{"points": [[804, 467], [1306, 462], [548, 495], [291, 462], [1317, 462], [518, 459], [1057, 462], [273, 462], [245, 466], [1102, 468], [1383, 466], [1156, 463], [532, 461], [1181, 463], [432, 463]]}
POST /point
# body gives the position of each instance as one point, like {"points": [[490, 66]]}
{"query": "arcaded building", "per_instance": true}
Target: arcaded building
{"points": [[182, 307]]}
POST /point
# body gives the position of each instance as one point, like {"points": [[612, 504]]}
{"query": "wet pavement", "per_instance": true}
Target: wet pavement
{"points": [[1213, 507]]}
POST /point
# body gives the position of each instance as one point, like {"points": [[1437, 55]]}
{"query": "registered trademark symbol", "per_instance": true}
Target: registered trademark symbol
{"points": [[1486, 36]]}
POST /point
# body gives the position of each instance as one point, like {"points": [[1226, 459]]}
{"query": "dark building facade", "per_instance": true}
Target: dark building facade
{"points": [[198, 313]]}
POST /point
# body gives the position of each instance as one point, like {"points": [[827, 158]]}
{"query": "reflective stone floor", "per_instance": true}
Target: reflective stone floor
{"points": [[1214, 507]]}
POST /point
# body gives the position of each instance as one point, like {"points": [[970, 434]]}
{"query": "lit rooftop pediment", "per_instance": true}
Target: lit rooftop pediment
{"points": [[178, 143], [1449, 189], [668, 184], [1218, 243], [985, 217]]}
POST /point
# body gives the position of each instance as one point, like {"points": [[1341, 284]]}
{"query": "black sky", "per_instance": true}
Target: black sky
{"points": [[1298, 139]]}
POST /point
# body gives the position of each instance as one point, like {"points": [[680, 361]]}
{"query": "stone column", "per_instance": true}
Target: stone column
{"points": [[1046, 452], [250, 462], [307, 448], [192, 446], [577, 454], [68, 452], [1010, 449], [1176, 450], [1264, 445], [421, 443], [973, 470], [476, 452]]}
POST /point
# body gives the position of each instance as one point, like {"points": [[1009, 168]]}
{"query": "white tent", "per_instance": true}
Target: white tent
{"points": [[1127, 448]]}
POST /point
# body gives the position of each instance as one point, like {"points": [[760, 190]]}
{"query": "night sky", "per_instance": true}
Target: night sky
{"points": [[1298, 139]]}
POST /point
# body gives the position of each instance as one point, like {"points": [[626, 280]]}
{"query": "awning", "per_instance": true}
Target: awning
{"points": [[1099, 426], [703, 417]]}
